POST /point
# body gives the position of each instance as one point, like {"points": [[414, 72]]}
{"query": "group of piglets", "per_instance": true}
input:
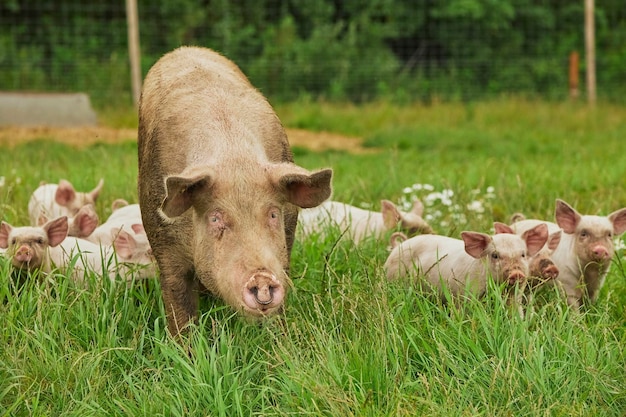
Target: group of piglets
{"points": [[65, 231], [574, 253]]}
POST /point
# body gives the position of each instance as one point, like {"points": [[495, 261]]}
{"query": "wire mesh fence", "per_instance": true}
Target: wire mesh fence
{"points": [[359, 50]]}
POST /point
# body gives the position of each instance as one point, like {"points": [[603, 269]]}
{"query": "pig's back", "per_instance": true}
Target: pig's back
{"points": [[422, 251], [197, 107], [525, 225]]}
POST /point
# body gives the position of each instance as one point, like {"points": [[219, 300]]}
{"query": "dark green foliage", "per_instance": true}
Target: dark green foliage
{"points": [[356, 50]]}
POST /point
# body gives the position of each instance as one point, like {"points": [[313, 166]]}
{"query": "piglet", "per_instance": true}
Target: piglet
{"points": [[50, 201], [134, 254], [584, 255], [28, 246], [126, 217], [541, 267], [359, 223], [461, 265]]}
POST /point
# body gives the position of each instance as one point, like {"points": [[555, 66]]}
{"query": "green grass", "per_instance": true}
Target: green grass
{"points": [[349, 343]]}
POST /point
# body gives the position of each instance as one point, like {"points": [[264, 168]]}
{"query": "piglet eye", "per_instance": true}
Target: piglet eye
{"points": [[40, 241], [13, 241], [495, 255]]}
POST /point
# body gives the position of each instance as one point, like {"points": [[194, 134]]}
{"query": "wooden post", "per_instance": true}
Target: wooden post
{"points": [[133, 49], [573, 75], [590, 51]]}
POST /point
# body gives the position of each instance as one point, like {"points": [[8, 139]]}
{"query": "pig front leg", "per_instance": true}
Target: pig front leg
{"points": [[179, 288]]}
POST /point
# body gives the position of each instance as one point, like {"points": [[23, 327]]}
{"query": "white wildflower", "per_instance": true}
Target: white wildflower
{"points": [[476, 206], [407, 190], [428, 187]]}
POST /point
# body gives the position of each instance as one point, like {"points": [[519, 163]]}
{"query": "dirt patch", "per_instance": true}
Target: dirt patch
{"points": [[85, 136]]}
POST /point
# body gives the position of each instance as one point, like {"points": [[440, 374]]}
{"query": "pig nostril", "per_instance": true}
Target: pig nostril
{"points": [[255, 292]]}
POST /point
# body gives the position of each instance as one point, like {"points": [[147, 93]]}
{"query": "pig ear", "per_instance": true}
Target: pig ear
{"points": [[502, 228], [391, 214], [475, 243], [418, 208], [42, 219], [618, 218], [566, 217], [535, 238], [93, 194], [5, 230], [306, 190], [87, 220], [65, 193], [181, 192], [123, 243], [554, 239], [138, 228], [56, 230]]}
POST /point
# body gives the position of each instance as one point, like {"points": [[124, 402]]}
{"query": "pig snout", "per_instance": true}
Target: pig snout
{"points": [[24, 254], [515, 276], [263, 292], [548, 269], [600, 252]]}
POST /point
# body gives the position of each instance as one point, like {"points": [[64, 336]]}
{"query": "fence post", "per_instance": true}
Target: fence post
{"points": [[132, 22], [590, 51], [573, 75]]}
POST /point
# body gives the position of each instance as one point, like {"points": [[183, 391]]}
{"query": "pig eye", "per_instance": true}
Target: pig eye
{"points": [[584, 233], [40, 241], [495, 255], [13, 241]]}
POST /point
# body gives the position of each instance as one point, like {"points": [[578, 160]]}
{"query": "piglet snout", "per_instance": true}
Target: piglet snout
{"points": [[516, 276], [550, 271], [23, 254], [263, 292], [600, 252]]}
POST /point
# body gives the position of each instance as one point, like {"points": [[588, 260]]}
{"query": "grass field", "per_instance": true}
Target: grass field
{"points": [[350, 343]]}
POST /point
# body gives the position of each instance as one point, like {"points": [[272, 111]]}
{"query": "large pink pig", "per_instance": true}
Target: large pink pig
{"points": [[585, 252], [218, 190]]}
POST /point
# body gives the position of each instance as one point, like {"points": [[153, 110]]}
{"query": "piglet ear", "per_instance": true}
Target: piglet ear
{"points": [[502, 228], [305, 189], [138, 228], [554, 239], [391, 214], [56, 230], [5, 230], [182, 191], [618, 218], [124, 244], [536, 238], [65, 193], [93, 194], [85, 221], [475, 243], [566, 217]]}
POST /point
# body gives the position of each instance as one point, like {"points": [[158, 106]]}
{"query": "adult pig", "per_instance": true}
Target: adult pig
{"points": [[218, 190]]}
